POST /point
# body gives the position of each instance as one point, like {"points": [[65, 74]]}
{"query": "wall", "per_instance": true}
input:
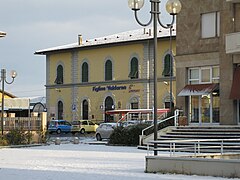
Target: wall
{"points": [[74, 92], [193, 51], [193, 166]]}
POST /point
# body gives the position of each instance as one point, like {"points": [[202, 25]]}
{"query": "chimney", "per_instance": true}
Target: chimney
{"points": [[79, 39]]}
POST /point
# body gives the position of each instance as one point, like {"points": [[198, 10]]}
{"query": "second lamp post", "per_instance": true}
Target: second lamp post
{"points": [[4, 80], [173, 7]]}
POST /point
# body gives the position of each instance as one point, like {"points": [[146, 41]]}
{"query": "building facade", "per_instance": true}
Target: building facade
{"points": [[85, 79], [6, 95], [207, 61]]}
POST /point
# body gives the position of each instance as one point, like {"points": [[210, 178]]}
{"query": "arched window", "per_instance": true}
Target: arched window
{"points": [[60, 110], [85, 72], [168, 67], [134, 69], [85, 109], [108, 70], [59, 78], [109, 106]]}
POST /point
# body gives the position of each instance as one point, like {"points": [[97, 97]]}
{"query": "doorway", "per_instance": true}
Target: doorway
{"points": [[204, 109], [109, 105], [85, 109]]}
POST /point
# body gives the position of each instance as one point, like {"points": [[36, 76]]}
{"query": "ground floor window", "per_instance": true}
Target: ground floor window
{"points": [[60, 110], [85, 109], [204, 108], [134, 105], [134, 116]]}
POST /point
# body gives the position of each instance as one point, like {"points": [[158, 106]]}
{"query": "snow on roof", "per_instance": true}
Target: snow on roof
{"points": [[139, 34]]}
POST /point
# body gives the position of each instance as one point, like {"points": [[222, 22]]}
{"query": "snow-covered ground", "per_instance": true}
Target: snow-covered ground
{"points": [[79, 161]]}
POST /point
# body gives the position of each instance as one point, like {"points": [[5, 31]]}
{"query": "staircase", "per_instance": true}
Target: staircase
{"points": [[206, 139]]}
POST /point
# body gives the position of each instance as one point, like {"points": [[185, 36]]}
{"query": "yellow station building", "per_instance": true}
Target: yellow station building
{"points": [[87, 78]]}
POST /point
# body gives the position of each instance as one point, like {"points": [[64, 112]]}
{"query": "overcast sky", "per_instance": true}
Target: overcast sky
{"points": [[33, 25]]}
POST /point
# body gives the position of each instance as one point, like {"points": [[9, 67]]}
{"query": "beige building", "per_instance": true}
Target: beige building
{"points": [[207, 61], [85, 79]]}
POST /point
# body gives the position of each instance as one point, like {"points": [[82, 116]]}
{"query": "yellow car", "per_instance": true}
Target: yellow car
{"points": [[82, 126]]}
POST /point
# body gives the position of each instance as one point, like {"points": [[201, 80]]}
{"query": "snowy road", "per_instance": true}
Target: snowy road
{"points": [[82, 161]]}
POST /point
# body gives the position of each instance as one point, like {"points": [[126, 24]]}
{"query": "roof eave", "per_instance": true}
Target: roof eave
{"points": [[97, 45]]}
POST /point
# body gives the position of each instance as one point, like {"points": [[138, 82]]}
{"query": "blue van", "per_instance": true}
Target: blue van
{"points": [[59, 126]]}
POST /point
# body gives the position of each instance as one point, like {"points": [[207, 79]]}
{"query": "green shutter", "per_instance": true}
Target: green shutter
{"points": [[167, 61], [59, 78], [108, 71], [134, 69], [85, 72]]}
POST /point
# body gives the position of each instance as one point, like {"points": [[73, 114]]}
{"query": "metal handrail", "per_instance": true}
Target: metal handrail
{"points": [[176, 114], [196, 145], [122, 118]]}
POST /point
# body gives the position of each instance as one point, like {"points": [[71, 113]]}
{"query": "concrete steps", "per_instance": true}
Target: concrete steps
{"points": [[183, 137]]}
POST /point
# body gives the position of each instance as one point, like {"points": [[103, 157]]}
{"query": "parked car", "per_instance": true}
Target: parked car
{"points": [[129, 123], [105, 130], [82, 126], [59, 126]]}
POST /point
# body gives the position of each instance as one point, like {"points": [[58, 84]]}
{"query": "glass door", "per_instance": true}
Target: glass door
{"points": [[215, 107], [205, 109], [194, 109]]}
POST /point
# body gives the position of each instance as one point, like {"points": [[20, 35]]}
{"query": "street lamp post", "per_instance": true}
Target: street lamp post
{"points": [[2, 34], [171, 70], [4, 80], [173, 7]]}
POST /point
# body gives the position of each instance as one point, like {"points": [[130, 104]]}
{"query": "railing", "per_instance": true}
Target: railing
{"points": [[164, 125], [25, 123], [176, 114], [197, 146], [129, 115]]}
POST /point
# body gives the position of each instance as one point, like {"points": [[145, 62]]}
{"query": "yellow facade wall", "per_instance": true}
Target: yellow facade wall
{"points": [[63, 59], [74, 93], [6, 96]]}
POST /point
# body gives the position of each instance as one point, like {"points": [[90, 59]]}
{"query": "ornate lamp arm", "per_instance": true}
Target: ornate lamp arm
{"points": [[9, 82], [168, 25], [139, 22]]}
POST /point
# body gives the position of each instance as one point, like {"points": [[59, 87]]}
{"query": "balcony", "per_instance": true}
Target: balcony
{"points": [[233, 1], [233, 43]]}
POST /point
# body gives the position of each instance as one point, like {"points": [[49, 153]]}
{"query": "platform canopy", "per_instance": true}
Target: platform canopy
{"points": [[142, 111]]}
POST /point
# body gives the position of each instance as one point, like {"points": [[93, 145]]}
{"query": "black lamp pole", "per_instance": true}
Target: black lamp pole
{"points": [[173, 7], [4, 80]]}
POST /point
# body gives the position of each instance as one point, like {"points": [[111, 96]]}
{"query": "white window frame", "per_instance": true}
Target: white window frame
{"points": [[210, 25], [199, 80], [210, 75], [215, 79], [193, 80]]}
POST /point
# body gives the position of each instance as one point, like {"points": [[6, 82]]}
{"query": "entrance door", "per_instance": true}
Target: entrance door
{"points": [[109, 106], [205, 109], [194, 109], [85, 109]]}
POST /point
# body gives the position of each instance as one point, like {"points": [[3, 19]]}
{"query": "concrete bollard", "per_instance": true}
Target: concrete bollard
{"points": [[76, 140], [57, 141]]}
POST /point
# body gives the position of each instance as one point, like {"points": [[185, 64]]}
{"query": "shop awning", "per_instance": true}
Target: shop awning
{"points": [[198, 89], [235, 91]]}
